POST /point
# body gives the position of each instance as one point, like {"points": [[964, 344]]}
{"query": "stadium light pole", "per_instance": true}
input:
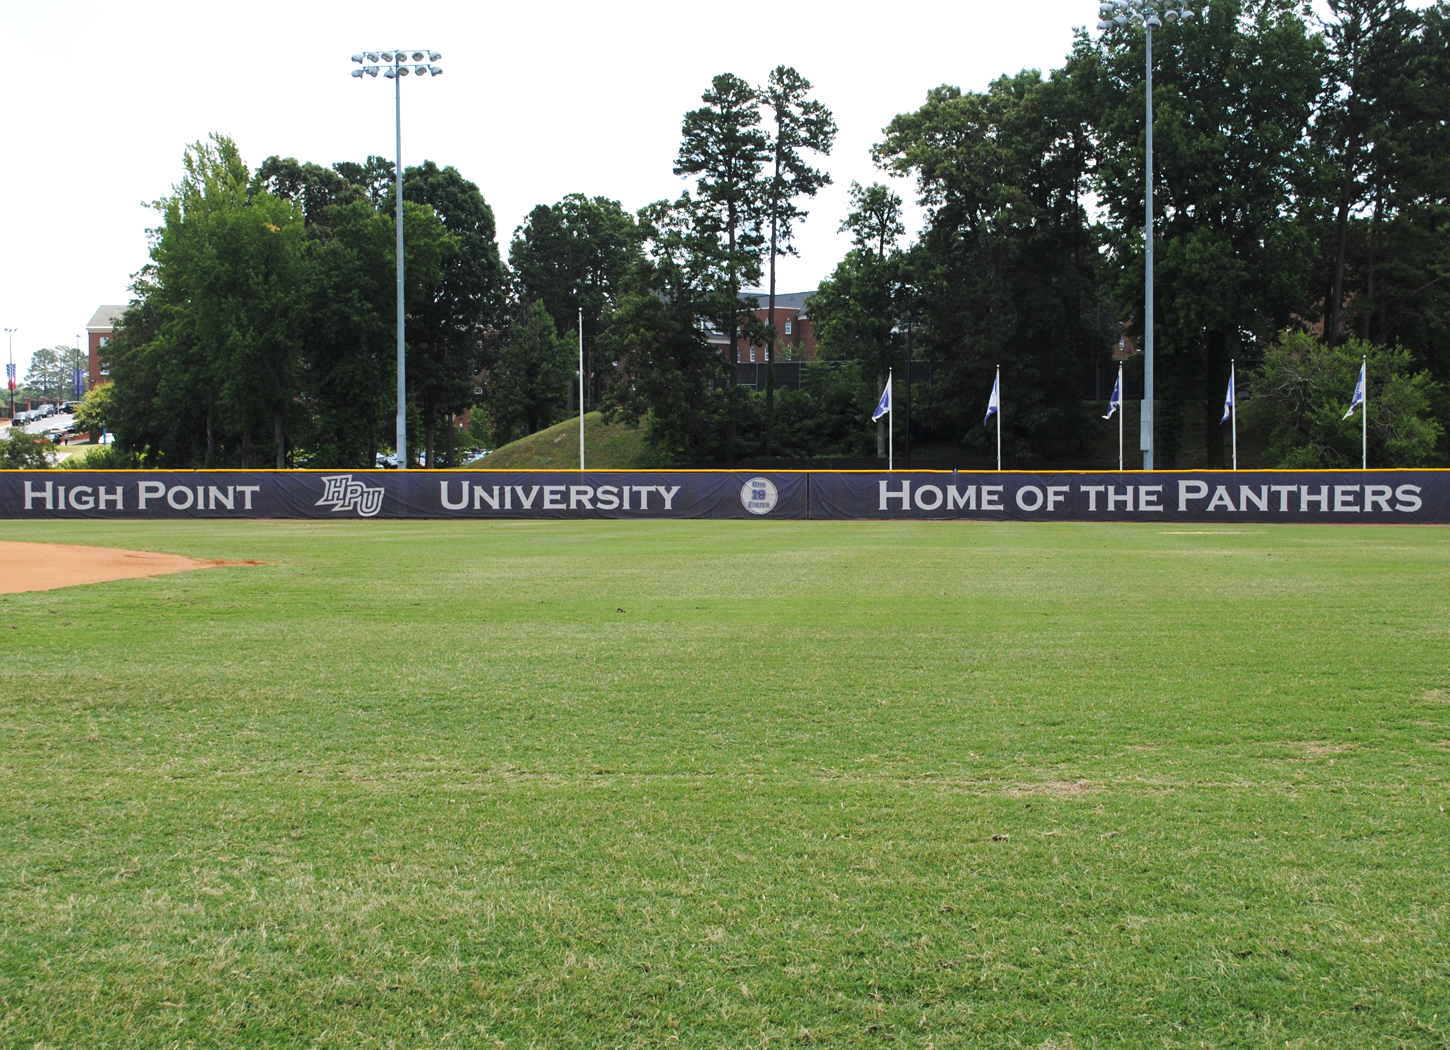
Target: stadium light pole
{"points": [[1150, 14], [395, 65]]}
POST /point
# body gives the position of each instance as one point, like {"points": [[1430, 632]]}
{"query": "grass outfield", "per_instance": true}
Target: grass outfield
{"points": [[731, 784]]}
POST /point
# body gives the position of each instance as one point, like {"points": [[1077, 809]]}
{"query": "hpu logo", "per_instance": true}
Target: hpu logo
{"points": [[344, 494]]}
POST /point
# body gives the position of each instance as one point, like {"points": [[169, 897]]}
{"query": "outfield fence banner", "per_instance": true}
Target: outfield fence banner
{"points": [[1392, 496], [1198, 496], [401, 494]]}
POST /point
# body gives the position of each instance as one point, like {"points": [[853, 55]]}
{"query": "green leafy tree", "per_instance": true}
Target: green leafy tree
{"points": [[1006, 270], [270, 300], [207, 358], [313, 187], [827, 417], [857, 310], [799, 124], [573, 256], [349, 329], [1233, 92], [374, 177], [1366, 40], [446, 327], [874, 221], [94, 412], [658, 336], [22, 451], [49, 374], [528, 385], [349, 324], [724, 148], [481, 431], [1302, 390], [1383, 227]]}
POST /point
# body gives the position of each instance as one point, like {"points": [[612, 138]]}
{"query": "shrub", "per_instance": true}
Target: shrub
{"points": [[1301, 392], [107, 457]]}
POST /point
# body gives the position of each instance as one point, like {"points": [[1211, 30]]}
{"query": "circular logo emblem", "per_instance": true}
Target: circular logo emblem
{"points": [[759, 496]]}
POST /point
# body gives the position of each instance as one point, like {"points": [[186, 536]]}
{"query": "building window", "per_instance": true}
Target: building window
{"points": [[752, 355], [105, 340], [787, 328]]}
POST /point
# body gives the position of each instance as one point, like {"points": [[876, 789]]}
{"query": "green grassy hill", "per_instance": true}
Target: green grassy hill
{"points": [[606, 447]]}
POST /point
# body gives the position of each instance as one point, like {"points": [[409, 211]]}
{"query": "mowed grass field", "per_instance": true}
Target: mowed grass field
{"points": [[735, 784]]}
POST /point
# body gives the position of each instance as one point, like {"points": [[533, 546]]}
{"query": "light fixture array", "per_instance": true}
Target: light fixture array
{"points": [[1150, 13], [397, 63]]}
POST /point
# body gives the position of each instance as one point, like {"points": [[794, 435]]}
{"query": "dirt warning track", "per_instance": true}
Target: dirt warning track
{"points": [[48, 566]]}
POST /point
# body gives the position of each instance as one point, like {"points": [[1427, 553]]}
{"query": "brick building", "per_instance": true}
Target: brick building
{"points": [[99, 330], [796, 336]]}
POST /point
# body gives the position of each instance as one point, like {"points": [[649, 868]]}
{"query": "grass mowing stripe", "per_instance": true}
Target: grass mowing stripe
{"points": [[836, 783]]}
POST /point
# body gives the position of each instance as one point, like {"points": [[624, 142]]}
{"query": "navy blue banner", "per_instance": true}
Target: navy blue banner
{"points": [[400, 494], [1403, 496], [1241, 496]]}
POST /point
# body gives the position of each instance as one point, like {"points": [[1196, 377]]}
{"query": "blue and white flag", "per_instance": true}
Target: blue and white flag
{"points": [[994, 403], [884, 405], [1229, 404], [1358, 392], [10, 376], [1116, 401]]}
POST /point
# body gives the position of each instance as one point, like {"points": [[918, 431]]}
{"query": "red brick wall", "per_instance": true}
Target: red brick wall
{"points": [[801, 339], [96, 359]]}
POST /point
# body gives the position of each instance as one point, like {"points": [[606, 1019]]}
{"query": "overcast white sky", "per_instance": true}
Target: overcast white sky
{"points": [[538, 100]]}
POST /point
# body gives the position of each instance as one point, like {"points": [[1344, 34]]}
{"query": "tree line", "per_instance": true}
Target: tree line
{"points": [[1303, 222], [50, 375]]}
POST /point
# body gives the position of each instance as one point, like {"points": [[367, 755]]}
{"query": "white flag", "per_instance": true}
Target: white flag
{"points": [[994, 403], [1358, 392], [884, 405], [1229, 404], [1116, 401]]}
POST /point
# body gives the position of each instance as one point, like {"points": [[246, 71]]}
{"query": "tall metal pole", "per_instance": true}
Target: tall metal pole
{"points": [[396, 68], [1234, 409], [581, 388], [1364, 417], [1146, 439], [398, 191]]}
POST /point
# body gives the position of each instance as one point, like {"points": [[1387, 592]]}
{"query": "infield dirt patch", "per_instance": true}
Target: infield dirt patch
{"points": [[47, 566]]}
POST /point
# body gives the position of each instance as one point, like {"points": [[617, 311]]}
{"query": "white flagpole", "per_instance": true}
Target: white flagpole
{"points": [[1364, 416], [1234, 412], [890, 425], [581, 388], [998, 385], [1120, 417]]}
